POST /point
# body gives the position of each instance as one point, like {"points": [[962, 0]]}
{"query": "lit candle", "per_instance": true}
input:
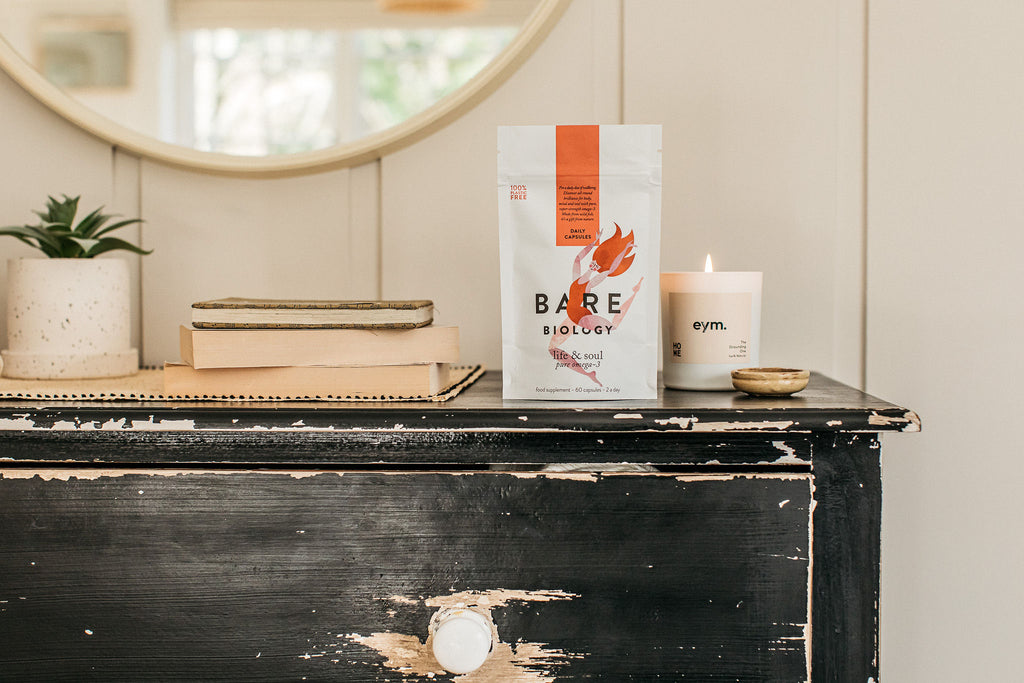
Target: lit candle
{"points": [[711, 325]]}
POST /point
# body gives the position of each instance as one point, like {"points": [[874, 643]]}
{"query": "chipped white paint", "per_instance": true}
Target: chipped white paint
{"points": [[496, 598], [764, 425], [521, 661], [88, 632], [810, 581], [681, 422], [795, 558], [804, 632], [601, 467], [775, 476], [694, 424], [783, 503], [401, 652], [163, 425], [402, 600], [790, 457], [17, 423], [909, 421], [524, 418], [627, 416], [834, 423], [784, 447], [575, 476]]}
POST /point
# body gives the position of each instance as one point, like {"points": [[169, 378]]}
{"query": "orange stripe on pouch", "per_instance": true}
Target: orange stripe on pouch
{"points": [[577, 173]]}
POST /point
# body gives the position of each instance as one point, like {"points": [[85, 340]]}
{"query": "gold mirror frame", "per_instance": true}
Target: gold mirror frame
{"points": [[446, 110]]}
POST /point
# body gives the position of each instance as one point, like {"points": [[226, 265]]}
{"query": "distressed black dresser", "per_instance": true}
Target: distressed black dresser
{"points": [[301, 541]]}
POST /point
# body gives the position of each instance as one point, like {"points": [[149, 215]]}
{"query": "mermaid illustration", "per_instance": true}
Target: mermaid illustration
{"points": [[612, 257]]}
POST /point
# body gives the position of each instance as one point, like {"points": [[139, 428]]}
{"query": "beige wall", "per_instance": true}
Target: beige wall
{"points": [[867, 162], [945, 321]]}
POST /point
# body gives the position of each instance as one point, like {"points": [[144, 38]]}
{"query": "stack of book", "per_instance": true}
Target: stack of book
{"points": [[312, 349]]}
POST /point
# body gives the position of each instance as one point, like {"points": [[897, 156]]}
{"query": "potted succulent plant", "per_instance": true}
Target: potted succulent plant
{"points": [[69, 315]]}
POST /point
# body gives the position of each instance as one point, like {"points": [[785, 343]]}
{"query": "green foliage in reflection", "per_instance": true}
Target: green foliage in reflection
{"points": [[404, 72], [258, 92]]}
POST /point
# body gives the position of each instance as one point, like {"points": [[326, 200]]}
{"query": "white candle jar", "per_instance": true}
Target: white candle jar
{"points": [[711, 325]]}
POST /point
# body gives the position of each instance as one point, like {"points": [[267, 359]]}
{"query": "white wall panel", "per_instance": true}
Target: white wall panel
{"points": [[125, 179], [747, 93], [945, 320], [217, 236], [41, 155], [364, 232], [439, 202]]}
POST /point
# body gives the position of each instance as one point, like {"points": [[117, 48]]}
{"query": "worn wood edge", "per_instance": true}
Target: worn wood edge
{"points": [[95, 473], [846, 522], [481, 409], [252, 415]]}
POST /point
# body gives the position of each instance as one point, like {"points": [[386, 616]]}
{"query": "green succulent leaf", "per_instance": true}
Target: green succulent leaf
{"points": [[32, 232], [91, 223], [61, 212], [84, 243], [111, 243], [57, 236], [116, 226]]}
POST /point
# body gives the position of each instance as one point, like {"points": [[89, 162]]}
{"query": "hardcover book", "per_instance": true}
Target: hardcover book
{"points": [[251, 348], [312, 313], [296, 382]]}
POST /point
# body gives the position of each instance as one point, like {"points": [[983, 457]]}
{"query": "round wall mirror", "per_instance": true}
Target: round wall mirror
{"points": [[266, 86]]}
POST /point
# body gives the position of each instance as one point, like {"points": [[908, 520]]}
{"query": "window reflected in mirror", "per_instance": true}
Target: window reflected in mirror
{"points": [[287, 91], [258, 77]]}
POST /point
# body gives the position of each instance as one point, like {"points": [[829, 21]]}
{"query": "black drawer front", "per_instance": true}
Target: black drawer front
{"points": [[253, 576]]}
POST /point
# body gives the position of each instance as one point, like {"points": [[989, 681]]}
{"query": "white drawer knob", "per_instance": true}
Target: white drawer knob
{"points": [[462, 639]]}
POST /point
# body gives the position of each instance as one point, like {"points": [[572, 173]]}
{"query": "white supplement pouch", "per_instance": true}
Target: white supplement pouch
{"points": [[579, 218]]}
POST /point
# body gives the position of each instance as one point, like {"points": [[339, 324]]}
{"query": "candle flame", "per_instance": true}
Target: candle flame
{"points": [[707, 265]]}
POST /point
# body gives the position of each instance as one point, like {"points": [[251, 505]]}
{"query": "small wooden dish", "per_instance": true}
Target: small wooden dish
{"points": [[770, 381]]}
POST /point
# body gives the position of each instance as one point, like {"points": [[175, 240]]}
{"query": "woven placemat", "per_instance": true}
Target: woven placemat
{"points": [[148, 385]]}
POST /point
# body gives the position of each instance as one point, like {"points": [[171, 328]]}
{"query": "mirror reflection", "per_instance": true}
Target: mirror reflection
{"points": [[260, 77]]}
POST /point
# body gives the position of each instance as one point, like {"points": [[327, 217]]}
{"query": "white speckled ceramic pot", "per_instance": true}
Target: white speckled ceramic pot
{"points": [[68, 319]]}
